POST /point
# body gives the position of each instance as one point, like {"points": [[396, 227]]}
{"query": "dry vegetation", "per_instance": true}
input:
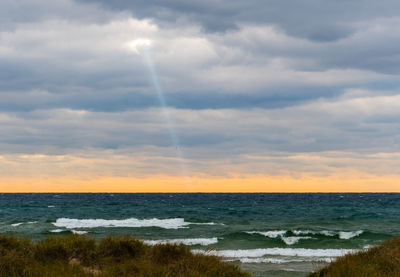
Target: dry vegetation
{"points": [[113, 256], [379, 261]]}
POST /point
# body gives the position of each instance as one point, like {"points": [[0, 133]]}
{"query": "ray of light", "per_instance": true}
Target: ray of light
{"points": [[142, 47]]}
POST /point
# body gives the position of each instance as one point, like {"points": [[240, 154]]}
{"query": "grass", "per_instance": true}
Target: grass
{"points": [[77, 255], [379, 261]]}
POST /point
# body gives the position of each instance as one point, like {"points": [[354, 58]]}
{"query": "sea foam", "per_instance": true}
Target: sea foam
{"points": [[293, 240], [280, 234], [20, 223], [170, 223], [349, 235], [260, 252], [270, 234], [79, 232], [57, 230], [193, 241], [329, 233], [281, 261]]}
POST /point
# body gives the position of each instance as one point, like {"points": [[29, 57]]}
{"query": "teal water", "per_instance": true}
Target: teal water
{"points": [[267, 234]]}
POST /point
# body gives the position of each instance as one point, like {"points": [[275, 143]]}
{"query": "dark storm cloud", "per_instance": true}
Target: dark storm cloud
{"points": [[13, 13], [320, 20], [103, 101]]}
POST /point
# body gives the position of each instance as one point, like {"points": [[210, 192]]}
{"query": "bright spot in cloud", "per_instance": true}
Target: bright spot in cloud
{"points": [[138, 44]]}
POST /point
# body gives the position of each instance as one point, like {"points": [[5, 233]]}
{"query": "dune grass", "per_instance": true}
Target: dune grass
{"points": [[77, 255], [379, 261]]}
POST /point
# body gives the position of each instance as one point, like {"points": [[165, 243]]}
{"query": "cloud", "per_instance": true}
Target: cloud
{"points": [[352, 122], [86, 66], [15, 14], [320, 21], [256, 86]]}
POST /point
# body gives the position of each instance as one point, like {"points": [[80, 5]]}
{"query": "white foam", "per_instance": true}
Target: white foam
{"points": [[79, 232], [194, 241], [259, 260], [170, 223], [341, 234], [57, 230], [20, 223], [349, 235], [270, 234], [303, 232], [289, 252], [328, 233], [280, 261], [293, 240], [281, 234], [51, 206], [310, 232]]}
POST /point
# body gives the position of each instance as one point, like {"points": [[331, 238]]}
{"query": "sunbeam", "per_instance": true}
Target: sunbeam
{"points": [[142, 48]]}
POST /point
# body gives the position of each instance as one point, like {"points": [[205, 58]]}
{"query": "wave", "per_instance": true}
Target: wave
{"points": [[293, 240], [79, 232], [280, 234], [304, 232], [170, 223], [280, 261], [57, 231], [289, 240], [289, 252], [349, 235], [270, 234], [20, 223], [193, 241], [73, 231], [328, 233]]}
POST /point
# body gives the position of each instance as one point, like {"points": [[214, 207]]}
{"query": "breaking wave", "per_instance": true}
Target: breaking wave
{"points": [[281, 261], [170, 223], [285, 235], [193, 241], [270, 234], [349, 235], [288, 252], [290, 240]]}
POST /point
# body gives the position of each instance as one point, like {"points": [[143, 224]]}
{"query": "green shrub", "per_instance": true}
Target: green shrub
{"points": [[169, 253], [379, 261], [121, 247], [50, 250], [81, 256]]}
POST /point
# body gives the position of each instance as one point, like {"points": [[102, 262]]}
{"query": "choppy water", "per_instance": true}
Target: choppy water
{"points": [[267, 234]]}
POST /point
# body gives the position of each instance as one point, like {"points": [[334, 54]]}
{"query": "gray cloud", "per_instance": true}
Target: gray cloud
{"points": [[15, 13], [316, 20], [342, 124], [243, 79]]}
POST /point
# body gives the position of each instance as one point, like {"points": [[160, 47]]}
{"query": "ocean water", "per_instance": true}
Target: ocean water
{"points": [[266, 234]]}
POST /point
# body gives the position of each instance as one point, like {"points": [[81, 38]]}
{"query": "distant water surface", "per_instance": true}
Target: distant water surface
{"points": [[266, 234]]}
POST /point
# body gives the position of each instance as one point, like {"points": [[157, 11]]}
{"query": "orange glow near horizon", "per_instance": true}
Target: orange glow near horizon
{"points": [[247, 183]]}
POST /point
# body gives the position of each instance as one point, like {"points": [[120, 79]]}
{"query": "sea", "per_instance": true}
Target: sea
{"points": [[267, 234]]}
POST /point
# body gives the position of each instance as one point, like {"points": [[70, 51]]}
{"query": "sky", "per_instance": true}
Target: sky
{"points": [[260, 96]]}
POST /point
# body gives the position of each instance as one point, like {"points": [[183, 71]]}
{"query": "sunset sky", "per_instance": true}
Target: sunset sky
{"points": [[260, 95]]}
